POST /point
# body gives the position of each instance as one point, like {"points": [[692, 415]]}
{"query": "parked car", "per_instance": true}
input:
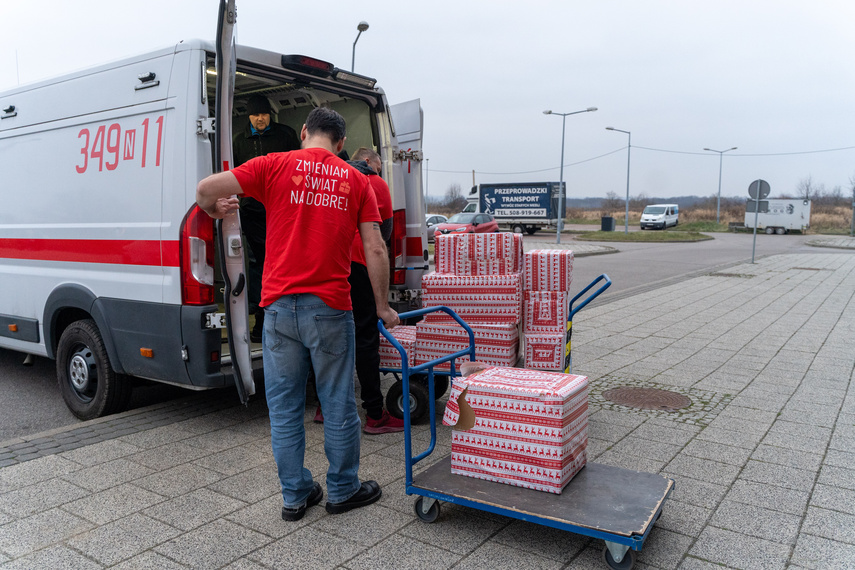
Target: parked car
{"points": [[660, 216], [433, 220], [467, 223]]}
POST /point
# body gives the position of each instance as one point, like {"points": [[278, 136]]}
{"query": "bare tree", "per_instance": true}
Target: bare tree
{"points": [[611, 204], [806, 189], [454, 200]]}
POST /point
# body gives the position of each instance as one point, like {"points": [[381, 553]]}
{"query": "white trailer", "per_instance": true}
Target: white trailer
{"points": [[778, 216]]}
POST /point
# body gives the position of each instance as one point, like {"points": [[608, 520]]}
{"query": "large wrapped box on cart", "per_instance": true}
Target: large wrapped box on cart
{"points": [[545, 312], [548, 270], [389, 355], [479, 254], [495, 344], [521, 427]]}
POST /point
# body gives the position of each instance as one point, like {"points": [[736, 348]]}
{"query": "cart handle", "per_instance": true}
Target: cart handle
{"points": [[591, 297]]}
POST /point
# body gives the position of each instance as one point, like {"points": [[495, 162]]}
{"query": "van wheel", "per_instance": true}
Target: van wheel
{"points": [[89, 385], [531, 231], [518, 228]]}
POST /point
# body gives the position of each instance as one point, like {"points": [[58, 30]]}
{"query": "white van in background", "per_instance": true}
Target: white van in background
{"points": [[107, 265], [660, 216]]}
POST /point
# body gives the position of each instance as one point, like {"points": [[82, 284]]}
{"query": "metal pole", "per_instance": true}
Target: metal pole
{"points": [[626, 218], [718, 200], [561, 186], [353, 58], [852, 226], [427, 175], [756, 214]]}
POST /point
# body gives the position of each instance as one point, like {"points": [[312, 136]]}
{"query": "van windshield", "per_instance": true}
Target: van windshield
{"points": [[656, 210]]}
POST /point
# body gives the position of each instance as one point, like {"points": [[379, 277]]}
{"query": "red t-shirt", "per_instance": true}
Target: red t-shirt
{"points": [[384, 204], [314, 201]]}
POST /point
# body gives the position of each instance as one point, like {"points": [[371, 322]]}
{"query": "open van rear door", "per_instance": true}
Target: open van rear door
{"points": [[231, 250], [408, 124]]}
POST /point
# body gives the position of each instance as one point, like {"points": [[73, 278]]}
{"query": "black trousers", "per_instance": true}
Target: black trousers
{"points": [[254, 225], [367, 339]]}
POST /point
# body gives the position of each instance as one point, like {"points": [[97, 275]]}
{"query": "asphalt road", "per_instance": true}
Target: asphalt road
{"points": [[30, 401]]}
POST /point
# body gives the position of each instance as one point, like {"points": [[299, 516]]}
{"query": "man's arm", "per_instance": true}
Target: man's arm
{"points": [[377, 261], [215, 194]]}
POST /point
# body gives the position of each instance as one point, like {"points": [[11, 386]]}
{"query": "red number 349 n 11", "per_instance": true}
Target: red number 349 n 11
{"points": [[118, 146]]}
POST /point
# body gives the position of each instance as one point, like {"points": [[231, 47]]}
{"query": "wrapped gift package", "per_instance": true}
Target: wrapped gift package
{"points": [[461, 254], [475, 307], [495, 344], [548, 270], [521, 427], [544, 351], [389, 355], [545, 311], [449, 284]]}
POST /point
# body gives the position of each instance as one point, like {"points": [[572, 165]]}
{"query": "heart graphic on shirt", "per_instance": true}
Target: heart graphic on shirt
{"points": [[345, 187], [297, 180]]}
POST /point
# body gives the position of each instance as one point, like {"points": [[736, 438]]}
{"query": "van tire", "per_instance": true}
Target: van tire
{"points": [[87, 382], [518, 229]]}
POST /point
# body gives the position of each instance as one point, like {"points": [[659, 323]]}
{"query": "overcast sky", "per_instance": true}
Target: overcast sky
{"points": [[772, 77]]}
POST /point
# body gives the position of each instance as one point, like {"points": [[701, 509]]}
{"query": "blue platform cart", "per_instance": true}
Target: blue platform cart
{"points": [[614, 504]]}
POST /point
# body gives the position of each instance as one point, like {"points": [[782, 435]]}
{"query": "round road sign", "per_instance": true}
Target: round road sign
{"points": [[762, 185]]}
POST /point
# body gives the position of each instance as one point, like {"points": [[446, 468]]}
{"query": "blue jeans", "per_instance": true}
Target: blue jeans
{"points": [[298, 330]]}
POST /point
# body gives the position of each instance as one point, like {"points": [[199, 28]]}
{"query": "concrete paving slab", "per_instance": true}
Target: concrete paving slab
{"points": [[771, 474], [769, 497], [664, 549], [494, 555], [57, 556], [113, 504], [789, 457], [24, 536], [153, 561], [759, 522], [419, 556], [837, 458], [739, 551], [819, 553], [214, 545], [122, 539], [194, 509], [109, 474], [684, 518], [729, 454], [837, 477], [30, 500], [830, 524], [833, 498]]}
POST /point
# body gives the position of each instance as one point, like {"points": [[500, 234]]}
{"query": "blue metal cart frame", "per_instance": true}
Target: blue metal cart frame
{"points": [[614, 504]]}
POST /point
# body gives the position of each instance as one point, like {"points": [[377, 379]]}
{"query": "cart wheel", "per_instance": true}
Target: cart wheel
{"points": [[626, 564], [419, 400], [431, 515]]}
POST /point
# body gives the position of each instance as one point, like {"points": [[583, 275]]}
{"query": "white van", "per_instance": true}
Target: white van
{"points": [[106, 263], [660, 216]]}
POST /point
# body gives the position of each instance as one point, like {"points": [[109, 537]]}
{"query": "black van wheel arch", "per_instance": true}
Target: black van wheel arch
{"points": [[87, 382]]}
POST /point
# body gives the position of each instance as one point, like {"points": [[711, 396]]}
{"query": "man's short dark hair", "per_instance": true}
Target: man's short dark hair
{"points": [[325, 120], [366, 154]]}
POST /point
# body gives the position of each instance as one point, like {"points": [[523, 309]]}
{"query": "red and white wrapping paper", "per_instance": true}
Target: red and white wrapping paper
{"points": [[449, 284], [479, 254], [545, 312], [389, 355], [530, 428], [548, 270], [475, 307], [544, 351], [495, 344]]}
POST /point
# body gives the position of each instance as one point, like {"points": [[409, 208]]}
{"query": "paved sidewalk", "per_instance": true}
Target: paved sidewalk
{"points": [[833, 242], [764, 458]]}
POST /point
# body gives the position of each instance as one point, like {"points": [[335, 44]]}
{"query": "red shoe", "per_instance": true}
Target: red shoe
{"points": [[386, 424], [319, 416]]}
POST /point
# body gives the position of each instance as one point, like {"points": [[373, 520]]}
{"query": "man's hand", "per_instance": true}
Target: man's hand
{"points": [[389, 316], [223, 206]]}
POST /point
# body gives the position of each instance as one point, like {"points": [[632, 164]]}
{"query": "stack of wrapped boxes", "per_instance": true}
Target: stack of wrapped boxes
{"points": [[546, 306], [479, 276], [527, 428]]}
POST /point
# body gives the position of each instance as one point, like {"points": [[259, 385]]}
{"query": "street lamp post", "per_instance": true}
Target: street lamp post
{"points": [[628, 152], [362, 26], [561, 175], [718, 200]]}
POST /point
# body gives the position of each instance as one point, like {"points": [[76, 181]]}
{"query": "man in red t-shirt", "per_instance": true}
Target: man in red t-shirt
{"points": [[315, 202]]}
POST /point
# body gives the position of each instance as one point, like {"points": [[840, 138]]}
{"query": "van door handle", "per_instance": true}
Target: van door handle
{"points": [[9, 112], [239, 286]]}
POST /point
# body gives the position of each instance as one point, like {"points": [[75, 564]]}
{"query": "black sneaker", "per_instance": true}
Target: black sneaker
{"points": [[314, 498], [368, 493]]}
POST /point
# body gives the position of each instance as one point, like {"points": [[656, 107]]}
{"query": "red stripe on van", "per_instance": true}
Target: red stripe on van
{"points": [[121, 252]]}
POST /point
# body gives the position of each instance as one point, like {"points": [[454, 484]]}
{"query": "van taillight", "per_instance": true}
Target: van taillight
{"points": [[197, 258], [396, 249]]}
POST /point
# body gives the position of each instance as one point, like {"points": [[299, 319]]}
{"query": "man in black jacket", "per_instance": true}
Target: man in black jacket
{"points": [[261, 136]]}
